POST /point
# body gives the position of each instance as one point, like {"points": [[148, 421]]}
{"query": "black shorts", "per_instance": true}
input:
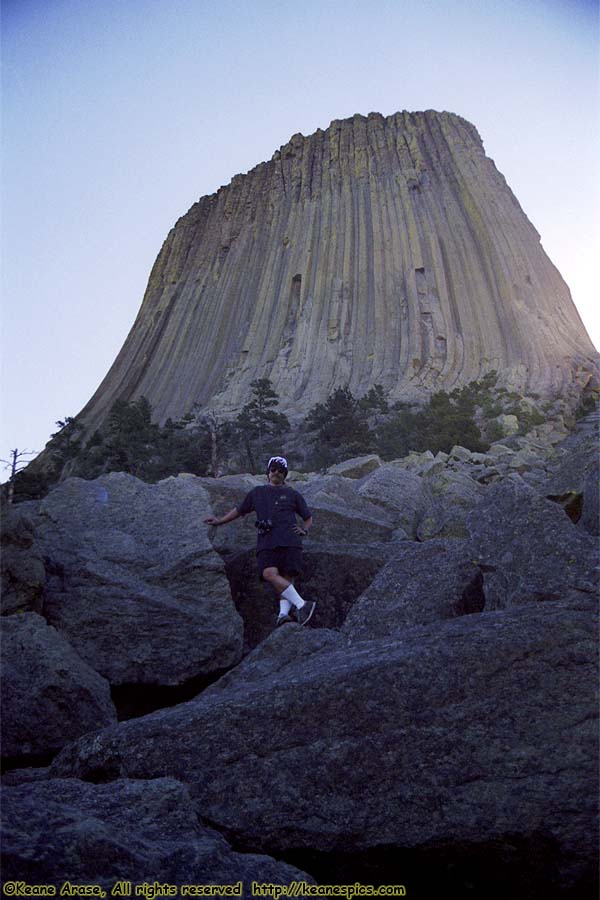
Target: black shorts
{"points": [[288, 560]]}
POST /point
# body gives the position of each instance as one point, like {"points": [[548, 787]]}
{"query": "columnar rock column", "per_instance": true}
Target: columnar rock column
{"points": [[382, 250]]}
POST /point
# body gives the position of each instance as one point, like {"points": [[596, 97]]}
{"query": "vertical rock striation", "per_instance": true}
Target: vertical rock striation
{"points": [[382, 250]]}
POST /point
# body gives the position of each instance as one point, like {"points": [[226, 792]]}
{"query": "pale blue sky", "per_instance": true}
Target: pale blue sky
{"points": [[118, 115]]}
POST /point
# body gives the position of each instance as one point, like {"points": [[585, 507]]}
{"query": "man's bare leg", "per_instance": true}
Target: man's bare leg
{"points": [[277, 581], [287, 594]]}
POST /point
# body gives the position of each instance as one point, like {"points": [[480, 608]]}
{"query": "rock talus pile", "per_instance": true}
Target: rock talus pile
{"points": [[436, 726]]}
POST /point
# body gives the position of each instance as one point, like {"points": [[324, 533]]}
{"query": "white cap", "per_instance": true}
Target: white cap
{"points": [[278, 459]]}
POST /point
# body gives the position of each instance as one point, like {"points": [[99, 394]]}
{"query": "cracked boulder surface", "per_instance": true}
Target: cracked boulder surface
{"points": [[452, 494], [573, 479], [444, 737], [145, 830], [134, 584], [21, 563], [462, 732], [528, 548], [420, 584], [50, 696]]}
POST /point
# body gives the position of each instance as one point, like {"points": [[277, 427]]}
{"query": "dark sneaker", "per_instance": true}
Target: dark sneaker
{"points": [[283, 620], [304, 614]]}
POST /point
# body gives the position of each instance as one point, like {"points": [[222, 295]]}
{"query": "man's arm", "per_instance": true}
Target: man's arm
{"points": [[246, 506], [214, 520], [306, 523], [304, 513]]}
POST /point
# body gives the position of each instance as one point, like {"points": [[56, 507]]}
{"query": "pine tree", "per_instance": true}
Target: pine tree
{"points": [[258, 420], [374, 400], [341, 428], [130, 437]]}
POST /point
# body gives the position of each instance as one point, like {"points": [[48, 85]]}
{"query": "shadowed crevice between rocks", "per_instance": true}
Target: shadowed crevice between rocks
{"points": [[26, 761], [134, 700], [515, 866], [472, 599], [572, 503], [522, 867], [103, 774], [334, 580]]}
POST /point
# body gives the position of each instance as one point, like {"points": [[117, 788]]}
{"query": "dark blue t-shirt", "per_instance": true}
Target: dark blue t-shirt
{"points": [[280, 505]]}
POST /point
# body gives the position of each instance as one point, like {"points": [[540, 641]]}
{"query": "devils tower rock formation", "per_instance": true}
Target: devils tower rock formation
{"points": [[382, 250]]}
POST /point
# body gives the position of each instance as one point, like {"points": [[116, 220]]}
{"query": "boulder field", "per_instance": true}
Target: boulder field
{"points": [[435, 725]]}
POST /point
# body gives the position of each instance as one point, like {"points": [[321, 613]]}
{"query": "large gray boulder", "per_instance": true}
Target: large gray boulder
{"points": [[590, 515], [23, 572], [528, 547], [452, 493], [574, 477], [342, 516], [65, 830], [225, 493], [461, 736], [356, 467], [49, 695], [421, 583], [134, 583], [400, 492]]}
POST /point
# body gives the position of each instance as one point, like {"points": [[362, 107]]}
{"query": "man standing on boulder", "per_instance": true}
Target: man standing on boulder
{"points": [[279, 540]]}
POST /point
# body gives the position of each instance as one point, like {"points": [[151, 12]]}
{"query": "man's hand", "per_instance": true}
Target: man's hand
{"points": [[306, 523], [215, 520]]}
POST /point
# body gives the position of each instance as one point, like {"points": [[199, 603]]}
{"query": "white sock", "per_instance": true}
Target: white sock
{"points": [[292, 596], [284, 607]]}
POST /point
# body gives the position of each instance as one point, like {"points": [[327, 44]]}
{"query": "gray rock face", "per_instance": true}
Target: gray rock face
{"points": [[453, 734], [451, 495], [135, 585], [23, 573], [224, 494], [401, 493], [574, 477], [140, 831], [49, 695], [528, 548], [590, 518], [343, 515], [508, 424], [421, 583], [448, 726], [366, 253], [357, 467]]}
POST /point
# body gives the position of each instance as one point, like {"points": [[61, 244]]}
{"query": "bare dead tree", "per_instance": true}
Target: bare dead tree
{"points": [[215, 429], [216, 426], [15, 464]]}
